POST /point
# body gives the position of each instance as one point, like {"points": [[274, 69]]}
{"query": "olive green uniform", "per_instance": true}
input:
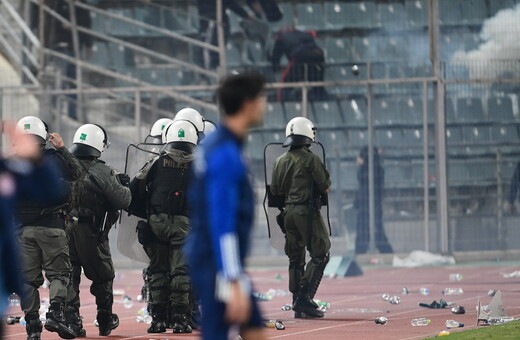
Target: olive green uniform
{"points": [[294, 174], [96, 199], [43, 240]]}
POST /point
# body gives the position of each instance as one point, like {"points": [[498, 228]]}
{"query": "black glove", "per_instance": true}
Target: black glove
{"points": [[124, 179]]}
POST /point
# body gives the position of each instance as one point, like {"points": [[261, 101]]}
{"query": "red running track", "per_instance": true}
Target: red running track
{"points": [[355, 303]]}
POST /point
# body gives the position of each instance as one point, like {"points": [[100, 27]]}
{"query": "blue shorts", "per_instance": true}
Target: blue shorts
{"points": [[212, 322]]}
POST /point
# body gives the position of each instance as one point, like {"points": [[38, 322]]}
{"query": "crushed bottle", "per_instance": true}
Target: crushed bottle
{"points": [[405, 291], [385, 297], [275, 324], [381, 320], [452, 291], [96, 323], [453, 324], [287, 307], [456, 277], [395, 300], [458, 310], [424, 291], [143, 316], [491, 292], [420, 322], [11, 320], [500, 321], [127, 302]]}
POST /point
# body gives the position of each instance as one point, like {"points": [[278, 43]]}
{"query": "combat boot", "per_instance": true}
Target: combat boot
{"points": [[34, 326], [158, 313], [179, 320], [107, 321], [75, 323], [304, 306], [56, 321]]}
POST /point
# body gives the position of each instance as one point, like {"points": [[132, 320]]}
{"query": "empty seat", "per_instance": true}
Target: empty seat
{"points": [[417, 12], [255, 146], [273, 137], [334, 142], [255, 52], [386, 112], [482, 171], [453, 136], [498, 5], [389, 138], [470, 110], [475, 134], [338, 50], [274, 116], [500, 109], [232, 54], [474, 11], [310, 16], [393, 48], [335, 13], [504, 134], [357, 138], [327, 113], [293, 109], [287, 19], [457, 172], [411, 110], [450, 12], [360, 14], [347, 178], [397, 174], [392, 16], [354, 112]]}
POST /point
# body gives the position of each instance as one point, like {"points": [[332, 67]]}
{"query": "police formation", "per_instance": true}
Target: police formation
{"points": [[58, 236]]}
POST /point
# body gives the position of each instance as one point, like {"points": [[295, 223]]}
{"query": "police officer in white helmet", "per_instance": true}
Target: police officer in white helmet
{"points": [[42, 231], [194, 117], [96, 198], [155, 135]]}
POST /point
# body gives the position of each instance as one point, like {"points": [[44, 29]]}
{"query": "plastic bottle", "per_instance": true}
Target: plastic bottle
{"points": [[22, 321], [458, 310], [500, 321], [381, 320], [14, 300], [452, 291], [420, 322], [127, 302], [443, 333], [405, 291], [395, 300], [275, 324], [385, 297], [286, 307], [456, 277], [96, 323], [424, 291], [453, 324], [11, 320], [143, 316]]}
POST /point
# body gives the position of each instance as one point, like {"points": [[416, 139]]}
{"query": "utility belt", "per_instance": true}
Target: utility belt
{"points": [[54, 220]]}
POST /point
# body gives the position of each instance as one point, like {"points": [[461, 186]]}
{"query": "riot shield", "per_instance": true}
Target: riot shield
{"points": [[127, 244], [272, 203]]}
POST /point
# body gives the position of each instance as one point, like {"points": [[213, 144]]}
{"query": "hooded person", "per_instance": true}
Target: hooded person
{"points": [[300, 177], [96, 198]]}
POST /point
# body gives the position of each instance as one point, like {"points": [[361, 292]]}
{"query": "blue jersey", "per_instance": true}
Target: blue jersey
{"points": [[221, 206]]}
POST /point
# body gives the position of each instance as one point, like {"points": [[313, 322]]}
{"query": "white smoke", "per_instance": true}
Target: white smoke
{"points": [[499, 52]]}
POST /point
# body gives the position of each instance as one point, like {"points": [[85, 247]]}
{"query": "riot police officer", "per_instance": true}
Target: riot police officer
{"points": [[168, 225], [43, 239], [300, 177], [155, 135], [96, 198], [193, 116]]}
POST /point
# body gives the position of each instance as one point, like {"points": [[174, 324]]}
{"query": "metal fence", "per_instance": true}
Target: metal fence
{"points": [[433, 89]]}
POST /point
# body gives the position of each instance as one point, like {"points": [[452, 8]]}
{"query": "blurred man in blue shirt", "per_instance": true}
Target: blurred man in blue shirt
{"points": [[221, 208]]}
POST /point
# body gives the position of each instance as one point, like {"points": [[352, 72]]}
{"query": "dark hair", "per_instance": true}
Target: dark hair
{"points": [[363, 153], [235, 89]]}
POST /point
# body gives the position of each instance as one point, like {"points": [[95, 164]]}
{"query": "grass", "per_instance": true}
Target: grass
{"points": [[506, 331]]}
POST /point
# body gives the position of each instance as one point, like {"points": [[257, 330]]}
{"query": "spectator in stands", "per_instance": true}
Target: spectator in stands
{"points": [[58, 36], [514, 189], [306, 62], [208, 27], [361, 203]]}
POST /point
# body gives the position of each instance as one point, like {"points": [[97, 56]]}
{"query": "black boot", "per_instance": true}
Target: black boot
{"points": [[180, 321], [158, 313], [75, 322], [34, 326], [304, 306], [56, 321], [107, 321]]}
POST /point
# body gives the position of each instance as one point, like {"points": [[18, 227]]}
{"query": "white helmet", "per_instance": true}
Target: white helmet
{"points": [[89, 140], [192, 116], [33, 126], [209, 127], [158, 127], [299, 131], [181, 131]]}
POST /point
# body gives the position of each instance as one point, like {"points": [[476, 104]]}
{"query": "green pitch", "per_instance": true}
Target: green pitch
{"points": [[507, 331]]}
